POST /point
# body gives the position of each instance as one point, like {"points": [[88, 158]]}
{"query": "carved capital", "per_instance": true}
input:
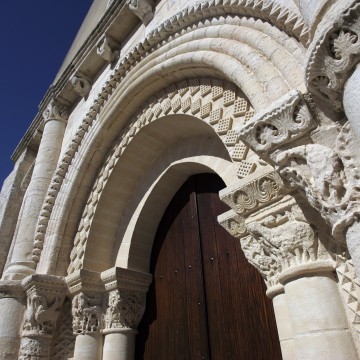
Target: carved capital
{"points": [[86, 313], [108, 48], [12, 289], [255, 191], [334, 54], [328, 177], [45, 296], [142, 9], [288, 119], [125, 309], [81, 83], [56, 111], [277, 239]]}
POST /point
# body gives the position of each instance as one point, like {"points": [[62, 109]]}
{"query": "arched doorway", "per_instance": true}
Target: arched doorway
{"points": [[206, 301]]}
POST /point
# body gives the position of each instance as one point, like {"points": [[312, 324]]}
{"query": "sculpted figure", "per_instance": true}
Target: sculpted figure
{"points": [[143, 9], [324, 165]]}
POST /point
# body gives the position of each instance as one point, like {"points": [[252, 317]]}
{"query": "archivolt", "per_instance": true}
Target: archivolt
{"points": [[243, 67], [219, 104]]}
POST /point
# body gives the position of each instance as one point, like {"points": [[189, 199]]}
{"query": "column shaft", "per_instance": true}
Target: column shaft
{"points": [[318, 319], [21, 263], [88, 347], [119, 345]]}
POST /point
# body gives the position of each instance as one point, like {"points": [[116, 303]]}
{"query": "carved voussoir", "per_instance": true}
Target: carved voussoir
{"points": [[334, 54], [255, 191], [288, 119], [81, 83], [142, 9], [108, 48]]}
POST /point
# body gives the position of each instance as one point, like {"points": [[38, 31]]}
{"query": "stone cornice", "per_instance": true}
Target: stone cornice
{"points": [[85, 281]]}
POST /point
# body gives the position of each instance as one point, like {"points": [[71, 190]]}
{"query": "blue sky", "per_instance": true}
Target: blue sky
{"points": [[36, 36]]}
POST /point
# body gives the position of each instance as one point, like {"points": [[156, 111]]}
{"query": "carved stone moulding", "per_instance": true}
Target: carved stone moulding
{"points": [[253, 192], [288, 119], [334, 55], [11, 289]]}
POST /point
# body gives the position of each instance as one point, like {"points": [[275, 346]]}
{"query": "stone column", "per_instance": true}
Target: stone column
{"points": [[317, 314], [21, 263], [125, 308], [87, 309], [12, 300], [45, 296], [286, 334]]}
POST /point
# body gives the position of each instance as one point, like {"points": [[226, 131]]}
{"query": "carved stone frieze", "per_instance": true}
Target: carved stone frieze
{"points": [[86, 313], [81, 83], [256, 191], [56, 111], [334, 55], [125, 309], [108, 48], [288, 119], [328, 177], [142, 9]]}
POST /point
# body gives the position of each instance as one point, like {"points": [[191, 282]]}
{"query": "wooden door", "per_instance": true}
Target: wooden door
{"points": [[206, 301]]}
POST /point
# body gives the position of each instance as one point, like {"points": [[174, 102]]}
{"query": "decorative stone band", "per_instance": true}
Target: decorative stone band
{"points": [[233, 223], [334, 54], [254, 192], [278, 238], [288, 119], [56, 111], [126, 299], [142, 9]]}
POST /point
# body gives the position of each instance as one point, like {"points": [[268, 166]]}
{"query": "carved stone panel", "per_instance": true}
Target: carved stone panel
{"points": [[125, 309], [86, 313]]}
